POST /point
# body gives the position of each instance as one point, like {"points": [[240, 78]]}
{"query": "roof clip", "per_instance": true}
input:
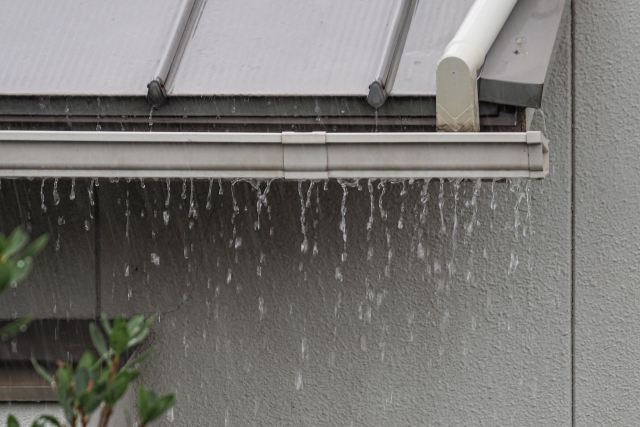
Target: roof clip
{"points": [[170, 60], [457, 106], [380, 89], [156, 93]]}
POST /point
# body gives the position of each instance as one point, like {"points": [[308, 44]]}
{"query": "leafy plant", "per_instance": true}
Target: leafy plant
{"points": [[16, 262], [101, 381], [97, 382]]}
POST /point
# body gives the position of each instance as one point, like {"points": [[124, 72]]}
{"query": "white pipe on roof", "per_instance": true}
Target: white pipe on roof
{"points": [[457, 75], [288, 155]]}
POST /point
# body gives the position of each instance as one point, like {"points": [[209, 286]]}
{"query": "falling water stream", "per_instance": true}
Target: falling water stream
{"points": [[358, 292]]}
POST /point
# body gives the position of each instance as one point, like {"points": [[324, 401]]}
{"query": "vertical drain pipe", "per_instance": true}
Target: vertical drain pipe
{"points": [[457, 108], [157, 92], [394, 45]]}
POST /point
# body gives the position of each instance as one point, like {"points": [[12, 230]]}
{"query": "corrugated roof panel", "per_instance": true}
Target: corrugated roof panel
{"points": [[68, 47], [432, 28], [285, 47]]}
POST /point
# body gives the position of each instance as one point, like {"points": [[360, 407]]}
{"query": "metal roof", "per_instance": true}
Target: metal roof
{"points": [[261, 48], [72, 47], [285, 47]]}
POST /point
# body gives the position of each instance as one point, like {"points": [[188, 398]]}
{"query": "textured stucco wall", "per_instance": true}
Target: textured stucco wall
{"points": [[607, 296]]}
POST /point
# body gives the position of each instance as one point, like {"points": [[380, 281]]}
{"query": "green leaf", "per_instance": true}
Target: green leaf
{"points": [[51, 420], [97, 338], [12, 421], [159, 407], [87, 361], [34, 248], [119, 386], [16, 241], [5, 276], [20, 268], [133, 326], [89, 402], [119, 337], [105, 324], [144, 402], [81, 379], [40, 370], [144, 356], [64, 379], [15, 327]]}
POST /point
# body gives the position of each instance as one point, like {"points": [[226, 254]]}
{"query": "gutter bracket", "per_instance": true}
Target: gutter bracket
{"points": [[305, 155]]}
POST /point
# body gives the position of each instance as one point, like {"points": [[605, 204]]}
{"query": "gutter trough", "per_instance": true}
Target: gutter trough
{"points": [[285, 155]]}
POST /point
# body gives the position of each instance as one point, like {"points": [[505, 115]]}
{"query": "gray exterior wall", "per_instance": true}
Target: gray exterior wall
{"points": [[552, 341]]}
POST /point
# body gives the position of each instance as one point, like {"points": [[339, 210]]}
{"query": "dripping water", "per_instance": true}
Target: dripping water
{"points": [[56, 196], [72, 195], [43, 206], [443, 228], [208, 206]]}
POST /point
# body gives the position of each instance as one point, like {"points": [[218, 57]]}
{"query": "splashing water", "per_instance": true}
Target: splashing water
{"points": [[166, 202], [493, 205], [56, 196], [43, 206], [304, 246], [208, 206], [262, 198], [382, 185], [343, 213], [193, 213], [72, 195], [90, 190], [474, 206], [513, 265], [515, 186], [454, 231], [371, 198], [443, 228], [424, 199]]}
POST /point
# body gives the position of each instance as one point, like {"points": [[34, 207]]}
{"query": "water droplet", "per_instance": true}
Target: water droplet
{"points": [[42, 205], [56, 196], [72, 195], [513, 265], [165, 217], [299, 384]]}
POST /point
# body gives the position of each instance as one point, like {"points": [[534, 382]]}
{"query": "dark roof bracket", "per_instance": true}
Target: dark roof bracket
{"points": [[380, 88], [170, 61]]}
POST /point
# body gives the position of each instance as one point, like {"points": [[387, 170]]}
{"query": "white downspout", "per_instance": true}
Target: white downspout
{"points": [[457, 107]]}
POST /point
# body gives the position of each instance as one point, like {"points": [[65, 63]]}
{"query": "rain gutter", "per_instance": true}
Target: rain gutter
{"points": [[457, 107], [288, 155]]}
